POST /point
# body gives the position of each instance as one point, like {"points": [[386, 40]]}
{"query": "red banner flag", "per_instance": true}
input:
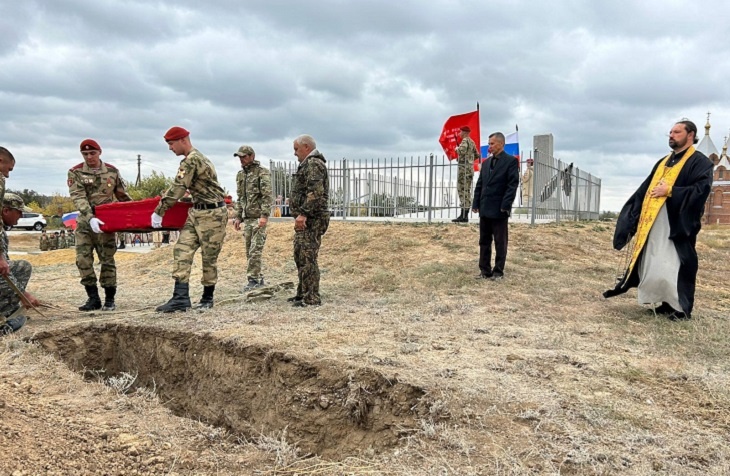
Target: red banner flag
{"points": [[450, 137]]}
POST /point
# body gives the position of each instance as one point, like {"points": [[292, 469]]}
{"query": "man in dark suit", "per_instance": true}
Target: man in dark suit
{"points": [[496, 188]]}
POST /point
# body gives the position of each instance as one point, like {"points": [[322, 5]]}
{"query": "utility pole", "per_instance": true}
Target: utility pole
{"points": [[139, 170]]}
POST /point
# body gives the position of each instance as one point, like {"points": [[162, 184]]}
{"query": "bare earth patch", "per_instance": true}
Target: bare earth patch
{"points": [[410, 367]]}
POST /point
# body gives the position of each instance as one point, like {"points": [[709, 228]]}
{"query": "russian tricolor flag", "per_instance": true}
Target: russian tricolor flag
{"points": [[69, 219], [511, 146]]}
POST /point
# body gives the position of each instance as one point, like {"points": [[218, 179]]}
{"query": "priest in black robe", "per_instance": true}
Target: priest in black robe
{"points": [[663, 216]]}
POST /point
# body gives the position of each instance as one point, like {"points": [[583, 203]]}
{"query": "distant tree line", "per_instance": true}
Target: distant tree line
{"points": [[57, 204]]}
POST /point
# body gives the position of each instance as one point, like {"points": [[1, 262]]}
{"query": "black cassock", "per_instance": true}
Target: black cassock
{"points": [[684, 210]]}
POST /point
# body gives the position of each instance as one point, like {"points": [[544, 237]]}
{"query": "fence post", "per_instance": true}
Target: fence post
{"points": [[345, 189], [430, 187], [535, 168], [575, 202]]}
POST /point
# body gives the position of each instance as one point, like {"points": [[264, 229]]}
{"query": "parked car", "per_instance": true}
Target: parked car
{"points": [[30, 221]]}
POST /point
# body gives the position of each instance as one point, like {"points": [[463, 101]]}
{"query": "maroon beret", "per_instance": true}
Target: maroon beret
{"points": [[89, 144], [176, 133], [466, 129]]}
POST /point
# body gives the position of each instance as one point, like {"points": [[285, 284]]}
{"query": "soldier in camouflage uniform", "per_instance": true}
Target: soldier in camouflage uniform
{"points": [[253, 207], [308, 201], [53, 241], [7, 163], [92, 183], [19, 271], [62, 243], [205, 227], [468, 153], [45, 243]]}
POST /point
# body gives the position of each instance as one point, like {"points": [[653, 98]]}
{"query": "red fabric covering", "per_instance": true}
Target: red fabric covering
{"points": [[137, 216]]}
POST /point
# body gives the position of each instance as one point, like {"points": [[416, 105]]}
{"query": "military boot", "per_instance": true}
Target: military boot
{"points": [[458, 219], [252, 284], [94, 301], [465, 214], [180, 300], [206, 301], [12, 325], [261, 283], [109, 293]]}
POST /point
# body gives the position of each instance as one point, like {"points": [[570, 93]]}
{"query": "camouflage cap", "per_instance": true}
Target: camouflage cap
{"points": [[14, 201], [244, 150]]}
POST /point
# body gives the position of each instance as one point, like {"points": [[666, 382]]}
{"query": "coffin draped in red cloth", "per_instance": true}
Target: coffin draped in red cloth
{"points": [[136, 216]]}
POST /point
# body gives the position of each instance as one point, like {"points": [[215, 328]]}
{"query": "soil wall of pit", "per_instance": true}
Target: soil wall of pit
{"points": [[327, 409]]}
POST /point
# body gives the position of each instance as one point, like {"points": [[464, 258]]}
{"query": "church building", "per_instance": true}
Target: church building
{"points": [[717, 208]]}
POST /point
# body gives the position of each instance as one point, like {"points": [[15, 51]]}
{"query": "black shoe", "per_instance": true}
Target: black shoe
{"points": [[261, 283], [679, 316], [294, 299], [180, 300], [664, 308], [304, 304], [483, 276], [94, 301], [12, 325], [252, 284], [497, 277]]}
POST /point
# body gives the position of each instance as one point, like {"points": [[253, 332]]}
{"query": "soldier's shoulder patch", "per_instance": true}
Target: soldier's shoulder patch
{"points": [[181, 173], [70, 181], [76, 167]]}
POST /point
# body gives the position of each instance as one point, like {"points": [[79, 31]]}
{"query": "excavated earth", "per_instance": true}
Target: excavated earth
{"points": [[249, 390]]}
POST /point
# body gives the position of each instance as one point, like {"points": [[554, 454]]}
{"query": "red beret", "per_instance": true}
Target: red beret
{"points": [[176, 133], [466, 129], [89, 144]]}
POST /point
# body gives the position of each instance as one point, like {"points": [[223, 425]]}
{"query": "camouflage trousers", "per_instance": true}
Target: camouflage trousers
{"points": [[254, 238], [306, 250], [9, 301], [204, 229], [105, 245], [464, 180]]}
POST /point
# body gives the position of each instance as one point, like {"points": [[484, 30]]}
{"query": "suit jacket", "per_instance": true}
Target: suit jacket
{"points": [[496, 188]]}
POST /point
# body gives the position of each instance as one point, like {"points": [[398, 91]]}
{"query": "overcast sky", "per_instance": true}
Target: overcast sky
{"points": [[366, 78]]}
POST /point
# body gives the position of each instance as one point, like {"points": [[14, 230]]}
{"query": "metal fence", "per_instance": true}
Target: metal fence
{"points": [[423, 188]]}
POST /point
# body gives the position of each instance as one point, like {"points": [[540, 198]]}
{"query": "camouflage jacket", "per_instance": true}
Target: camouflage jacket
{"points": [[467, 151], [197, 175], [253, 184], [3, 248], [89, 188], [310, 187], [44, 243]]}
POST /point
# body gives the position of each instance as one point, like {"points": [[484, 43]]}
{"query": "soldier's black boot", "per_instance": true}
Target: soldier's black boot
{"points": [[109, 293], [465, 219], [94, 301], [458, 219], [180, 300], [206, 302], [252, 284]]}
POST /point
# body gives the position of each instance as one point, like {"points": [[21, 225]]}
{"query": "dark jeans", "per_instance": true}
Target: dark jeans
{"points": [[492, 229]]}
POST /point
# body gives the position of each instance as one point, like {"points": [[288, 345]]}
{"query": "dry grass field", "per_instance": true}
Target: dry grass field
{"points": [[411, 366]]}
